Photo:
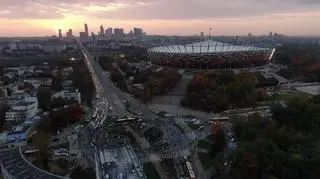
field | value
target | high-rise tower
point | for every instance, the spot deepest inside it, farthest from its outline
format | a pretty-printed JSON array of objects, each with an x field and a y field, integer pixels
[
  {"x": 60, "y": 33},
  {"x": 86, "y": 30},
  {"x": 101, "y": 30}
]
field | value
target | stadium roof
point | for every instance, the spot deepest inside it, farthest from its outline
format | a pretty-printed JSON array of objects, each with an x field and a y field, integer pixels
[{"x": 208, "y": 46}]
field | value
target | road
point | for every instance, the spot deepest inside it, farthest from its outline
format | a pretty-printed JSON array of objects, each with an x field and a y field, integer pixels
[{"x": 109, "y": 96}]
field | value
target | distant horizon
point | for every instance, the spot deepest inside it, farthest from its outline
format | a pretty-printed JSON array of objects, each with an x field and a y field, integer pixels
[
  {"x": 198, "y": 35},
  {"x": 163, "y": 17}
]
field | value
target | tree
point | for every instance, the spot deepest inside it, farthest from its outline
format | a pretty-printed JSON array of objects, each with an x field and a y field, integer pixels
[
  {"x": 57, "y": 103},
  {"x": 312, "y": 118},
  {"x": 57, "y": 81},
  {"x": 41, "y": 139},
  {"x": 82, "y": 80},
  {"x": 218, "y": 143},
  {"x": 44, "y": 96},
  {"x": 283, "y": 147},
  {"x": 3, "y": 110},
  {"x": 80, "y": 173},
  {"x": 316, "y": 99},
  {"x": 76, "y": 112}
]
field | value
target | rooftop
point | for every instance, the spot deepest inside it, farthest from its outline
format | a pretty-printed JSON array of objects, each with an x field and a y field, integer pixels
[
  {"x": 16, "y": 132},
  {"x": 208, "y": 46},
  {"x": 19, "y": 168},
  {"x": 311, "y": 90},
  {"x": 23, "y": 103},
  {"x": 71, "y": 90}
]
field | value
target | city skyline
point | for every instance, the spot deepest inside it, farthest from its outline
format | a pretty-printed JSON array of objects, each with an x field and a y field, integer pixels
[{"x": 161, "y": 17}]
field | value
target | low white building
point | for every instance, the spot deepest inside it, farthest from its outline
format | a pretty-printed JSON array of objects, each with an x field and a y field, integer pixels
[
  {"x": 13, "y": 115},
  {"x": 21, "y": 96},
  {"x": 37, "y": 82},
  {"x": 66, "y": 71},
  {"x": 26, "y": 106},
  {"x": 3, "y": 93},
  {"x": 53, "y": 48},
  {"x": 22, "y": 111},
  {"x": 69, "y": 94},
  {"x": 67, "y": 84},
  {"x": 72, "y": 94},
  {"x": 11, "y": 74},
  {"x": 21, "y": 69},
  {"x": 12, "y": 86},
  {"x": 3, "y": 138}
]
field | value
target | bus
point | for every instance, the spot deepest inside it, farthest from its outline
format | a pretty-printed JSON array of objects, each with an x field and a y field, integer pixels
[
  {"x": 97, "y": 96},
  {"x": 220, "y": 119},
  {"x": 94, "y": 115},
  {"x": 190, "y": 170},
  {"x": 126, "y": 119},
  {"x": 30, "y": 152}
]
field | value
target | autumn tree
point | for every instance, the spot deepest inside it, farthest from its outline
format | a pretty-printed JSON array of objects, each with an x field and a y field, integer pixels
[
  {"x": 57, "y": 81},
  {"x": 44, "y": 97},
  {"x": 41, "y": 140},
  {"x": 80, "y": 173}
]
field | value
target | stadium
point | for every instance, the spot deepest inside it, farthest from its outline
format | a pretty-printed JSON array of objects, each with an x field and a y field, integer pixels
[{"x": 210, "y": 55}]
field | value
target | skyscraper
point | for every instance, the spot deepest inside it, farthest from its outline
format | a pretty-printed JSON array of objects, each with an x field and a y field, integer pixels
[
  {"x": 201, "y": 34},
  {"x": 101, "y": 30},
  {"x": 86, "y": 30},
  {"x": 70, "y": 33},
  {"x": 137, "y": 32},
  {"x": 60, "y": 33},
  {"x": 118, "y": 32},
  {"x": 82, "y": 35},
  {"x": 109, "y": 32}
]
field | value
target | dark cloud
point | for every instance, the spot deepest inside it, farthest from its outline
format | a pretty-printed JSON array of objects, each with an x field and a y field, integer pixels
[
  {"x": 206, "y": 9},
  {"x": 154, "y": 9}
]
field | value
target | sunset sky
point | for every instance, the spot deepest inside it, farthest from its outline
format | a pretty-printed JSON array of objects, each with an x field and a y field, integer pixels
[{"x": 167, "y": 17}]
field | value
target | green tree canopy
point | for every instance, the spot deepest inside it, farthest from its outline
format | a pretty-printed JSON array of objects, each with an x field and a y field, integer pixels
[
  {"x": 44, "y": 97},
  {"x": 80, "y": 173}
]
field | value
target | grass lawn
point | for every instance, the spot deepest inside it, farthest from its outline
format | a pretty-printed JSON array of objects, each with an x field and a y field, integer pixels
[
  {"x": 63, "y": 145},
  {"x": 150, "y": 171},
  {"x": 290, "y": 95}
]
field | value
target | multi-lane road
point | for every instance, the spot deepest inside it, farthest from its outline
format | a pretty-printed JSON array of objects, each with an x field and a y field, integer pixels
[{"x": 112, "y": 99}]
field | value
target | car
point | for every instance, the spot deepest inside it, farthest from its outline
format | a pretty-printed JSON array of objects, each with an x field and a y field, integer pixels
[
  {"x": 194, "y": 120},
  {"x": 65, "y": 154},
  {"x": 57, "y": 153},
  {"x": 63, "y": 150}
]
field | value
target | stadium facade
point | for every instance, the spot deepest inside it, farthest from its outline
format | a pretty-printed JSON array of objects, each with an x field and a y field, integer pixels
[{"x": 210, "y": 55}]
